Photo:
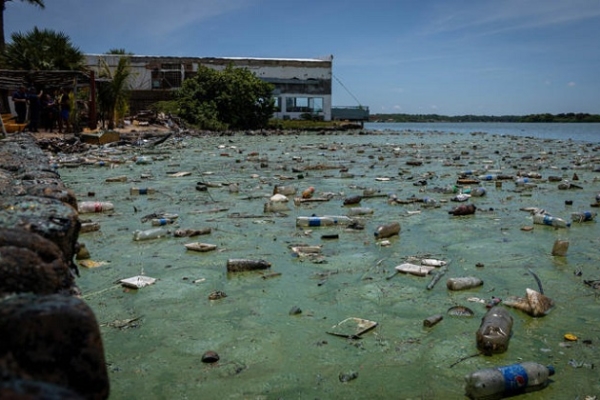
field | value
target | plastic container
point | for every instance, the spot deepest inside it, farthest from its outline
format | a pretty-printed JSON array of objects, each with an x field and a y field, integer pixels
[
  {"x": 148, "y": 234},
  {"x": 429, "y": 202},
  {"x": 463, "y": 283},
  {"x": 387, "y": 230},
  {"x": 488, "y": 177},
  {"x": 162, "y": 221},
  {"x": 324, "y": 220},
  {"x": 494, "y": 332},
  {"x": 94, "y": 206},
  {"x": 478, "y": 192},
  {"x": 542, "y": 219},
  {"x": 359, "y": 211},
  {"x": 509, "y": 380},
  {"x": 560, "y": 247},
  {"x": 583, "y": 216},
  {"x": 141, "y": 191}
]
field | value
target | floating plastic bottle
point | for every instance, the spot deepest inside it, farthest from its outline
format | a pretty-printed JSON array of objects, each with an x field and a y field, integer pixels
[
  {"x": 89, "y": 227},
  {"x": 148, "y": 234},
  {"x": 429, "y": 202},
  {"x": 509, "y": 380},
  {"x": 94, "y": 206},
  {"x": 543, "y": 219},
  {"x": 162, "y": 221},
  {"x": 141, "y": 191},
  {"x": 243, "y": 264},
  {"x": 324, "y": 220},
  {"x": 583, "y": 216},
  {"x": 387, "y": 230},
  {"x": 488, "y": 177},
  {"x": 495, "y": 331},
  {"x": 478, "y": 192},
  {"x": 359, "y": 211},
  {"x": 463, "y": 283}
]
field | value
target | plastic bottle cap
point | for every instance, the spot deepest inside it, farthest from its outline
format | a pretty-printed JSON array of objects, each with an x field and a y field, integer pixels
[{"x": 550, "y": 370}]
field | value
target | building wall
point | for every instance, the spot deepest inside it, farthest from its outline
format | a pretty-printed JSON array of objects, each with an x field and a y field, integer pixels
[{"x": 301, "y": 85}]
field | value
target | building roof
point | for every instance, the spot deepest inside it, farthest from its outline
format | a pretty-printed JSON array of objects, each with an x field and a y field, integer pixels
[{"x": 12, "y": 79}]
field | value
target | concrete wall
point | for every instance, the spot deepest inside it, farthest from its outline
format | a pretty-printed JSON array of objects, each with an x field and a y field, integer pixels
[{"x": 293, "y": 78}]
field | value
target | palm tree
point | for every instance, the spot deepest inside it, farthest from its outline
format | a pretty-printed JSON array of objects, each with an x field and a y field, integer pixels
[
  {"x": 42, "y": 50},
  {"x": 39, "y": 3},
  {"x": 113, "y": 93}
]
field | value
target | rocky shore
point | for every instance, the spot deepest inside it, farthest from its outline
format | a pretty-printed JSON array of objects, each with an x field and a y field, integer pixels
[{"x": 51, "y": 345}]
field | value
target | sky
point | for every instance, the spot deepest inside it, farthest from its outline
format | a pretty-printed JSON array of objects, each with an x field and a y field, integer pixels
[{"x": 447, "y": 57}]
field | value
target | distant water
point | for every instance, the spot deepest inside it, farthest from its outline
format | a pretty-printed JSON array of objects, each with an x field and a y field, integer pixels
[{"x": 585, "y": 132}]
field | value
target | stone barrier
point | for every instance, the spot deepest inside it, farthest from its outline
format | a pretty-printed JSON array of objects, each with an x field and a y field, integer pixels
[{"x": 51, "y": 345}]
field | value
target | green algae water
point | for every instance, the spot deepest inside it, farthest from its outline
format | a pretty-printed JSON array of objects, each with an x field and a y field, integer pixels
[{"x": 155, "y": 337}]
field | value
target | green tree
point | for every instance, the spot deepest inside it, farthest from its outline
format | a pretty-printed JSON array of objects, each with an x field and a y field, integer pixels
[
  {"x": 42, "y": 50},
  {"x": 38, "y": 3},
  {"x": 113, "y": 91},
  {"x": 234, "y": 98}
]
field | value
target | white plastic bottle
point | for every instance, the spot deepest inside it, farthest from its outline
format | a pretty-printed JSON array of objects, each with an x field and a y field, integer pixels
[
  {"x": 326, "y": 220},
  {"x": 94, "y": 206},
  {"x": 509, "y": 380},
  {"x": 149, "y": 234},
  {"x": 543, "y": 219}
]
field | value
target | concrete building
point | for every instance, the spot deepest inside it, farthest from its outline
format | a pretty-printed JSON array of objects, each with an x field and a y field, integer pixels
[{"x": 301, "y": 85}]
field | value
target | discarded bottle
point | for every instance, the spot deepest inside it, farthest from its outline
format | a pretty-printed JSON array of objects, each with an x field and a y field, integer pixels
[
  {"x": 162, "y": 221},
  {"x": 308, "y": 193},
  {"x": 147, "y": 234},
  {"x": 488, "y": 177},
  {"x": 275, "y": 206},
  {"x": 495, "y": 331},
  {"x": 543, "y": 219},
  {"x": 463, "y": 209},
  {"x": 387, "y": 230},
  {"x": 478, "y": 192},
  {"x": 141, "y": 191},
  {"x": 463, "y": 283},
  {"x": 583, "y": 216},
  {"x": 284, "y": 190},
  {"x": 89, "y": 227},
  {"x": 94, "y": 206},
  {"x": 508, "y": 380},
  {"x": 431, "y": 321},
  {"x": 324, "y": 220},
  {"x": 359, "y": 211},
  {"x": 429, "y": 202},
  {"x": 351, "y": 200},
  {"x": 242, "y": 264}
]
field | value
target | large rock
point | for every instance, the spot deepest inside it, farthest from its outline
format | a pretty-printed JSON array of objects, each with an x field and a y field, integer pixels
[
  {"x": 54, "y": 339},
  {"x": 30, "y": 263}
]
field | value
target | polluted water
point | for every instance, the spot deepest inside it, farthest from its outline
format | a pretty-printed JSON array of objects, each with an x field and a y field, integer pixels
[{"x": 264, "y": 351}]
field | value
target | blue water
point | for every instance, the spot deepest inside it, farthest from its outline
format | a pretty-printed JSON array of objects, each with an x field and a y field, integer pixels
[
  {"x": 587, "y": 132},
  {"x": 266, "y": 353}
]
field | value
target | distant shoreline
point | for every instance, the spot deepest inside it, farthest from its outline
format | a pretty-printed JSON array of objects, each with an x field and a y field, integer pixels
[{"x": 431, "y": 118}]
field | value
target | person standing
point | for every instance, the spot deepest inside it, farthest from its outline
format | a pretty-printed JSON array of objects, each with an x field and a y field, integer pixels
[
  {"x": 65, "y": 110},
  {"x": 20, "y": 99},
  {"x": 49, "y": 112},
  {"x": 35, "y": 109}
]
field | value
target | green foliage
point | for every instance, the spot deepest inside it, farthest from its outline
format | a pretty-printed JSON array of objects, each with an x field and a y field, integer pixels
[
  {"x": 113, "y": 92},
  {"x": 42, "y": 50},
  {"x": 230, "y": 99}
]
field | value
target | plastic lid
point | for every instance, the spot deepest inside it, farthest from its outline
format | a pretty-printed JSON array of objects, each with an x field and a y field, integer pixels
[{"x": 550, "y": 369}]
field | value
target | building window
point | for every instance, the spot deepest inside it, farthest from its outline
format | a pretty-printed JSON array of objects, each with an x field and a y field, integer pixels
[
  {"x": 277, "y": 104},
  {"x": 304, "y": 104}
]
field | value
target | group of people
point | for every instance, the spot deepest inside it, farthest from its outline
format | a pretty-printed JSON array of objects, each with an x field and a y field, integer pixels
[{"x": 50, "y": 110}]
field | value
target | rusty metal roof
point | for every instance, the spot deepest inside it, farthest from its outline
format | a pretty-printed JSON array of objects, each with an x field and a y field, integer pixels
[{"x": 12, "y": 79}]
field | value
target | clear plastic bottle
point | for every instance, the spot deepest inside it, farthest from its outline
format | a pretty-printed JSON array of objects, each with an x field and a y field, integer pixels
[
  {"x": 583, "y": 216},
  {"x": 463, "y": 283},
  {"x": 387, "y": 230},
  {"x": 488, "y": 177},
  {"x": 495, "y": 331},
  {"x": 359, "y": 211},
  {"x": 429, "y": 202},
  {"x": 543, "y": 219},
  {"x": 162, "y": 221},
  {"x": 148, "y": 234},
  {"x": 94, "y": 206},
  {"x": 509, "y": 380},
  {"x": 326, "y": 220}
]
